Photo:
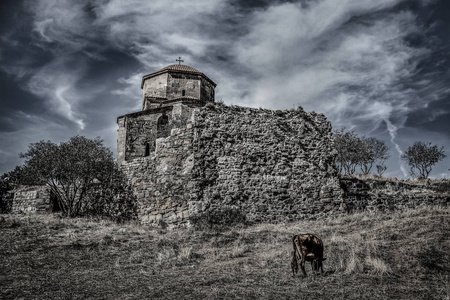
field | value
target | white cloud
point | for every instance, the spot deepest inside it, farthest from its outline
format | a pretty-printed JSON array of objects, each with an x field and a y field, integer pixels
[
  {"x": 55, "y": 83},
  {"x": 61, "y": 22},
  {"x": 131, "y": 91},
  {"x": 342, "y": 60},
  {"x": 154, "y": 28},
  {"x": 307, "y": 61}
]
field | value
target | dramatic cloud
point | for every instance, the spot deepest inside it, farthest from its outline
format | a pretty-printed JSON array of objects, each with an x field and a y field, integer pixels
[
  {"x": 59, "y": 89},
  {"x": 349, "y": 61},
  {"x": 377, "y": 67}
]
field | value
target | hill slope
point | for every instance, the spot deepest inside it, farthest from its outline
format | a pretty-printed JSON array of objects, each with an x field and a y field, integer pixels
[{"x": 397, "y": 256}]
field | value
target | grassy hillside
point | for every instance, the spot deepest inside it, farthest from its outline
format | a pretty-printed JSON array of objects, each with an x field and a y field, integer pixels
[{"x": 396, "y": 256}]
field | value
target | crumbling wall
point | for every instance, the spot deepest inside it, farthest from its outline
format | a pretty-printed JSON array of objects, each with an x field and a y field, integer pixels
[
  {"x": 270, "y": 165},
  {"x": 162, "y": 181},
  {"x": 31, "y": 199},
  {"x": 384, "y": 195}
]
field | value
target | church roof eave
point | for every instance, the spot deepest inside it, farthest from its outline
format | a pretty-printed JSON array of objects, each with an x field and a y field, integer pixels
[{"x": 177, "y": 69}]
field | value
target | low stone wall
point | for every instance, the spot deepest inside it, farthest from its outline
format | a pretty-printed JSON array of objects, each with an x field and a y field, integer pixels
[
  {"x": 31, "y": 199},
  {"x": 175, "y": 208},
  {"x": 392, "y": 195}
]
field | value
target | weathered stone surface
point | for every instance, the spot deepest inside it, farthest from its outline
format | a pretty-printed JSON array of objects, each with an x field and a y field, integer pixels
[
  {"x": 271, "y": 165},
  {"x": 391, "y": 195},
  {"x": 31, "y": 199}
]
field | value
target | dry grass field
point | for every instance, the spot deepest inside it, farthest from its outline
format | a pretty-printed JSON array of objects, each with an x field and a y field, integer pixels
[{"x": 385, "y": 256}]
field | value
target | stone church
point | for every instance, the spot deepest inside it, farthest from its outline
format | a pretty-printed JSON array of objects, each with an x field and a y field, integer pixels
[
  {"x": 168, "y": 97},
  {"x": 189, "y": 158},
  {"x": 186, "y": 155}
]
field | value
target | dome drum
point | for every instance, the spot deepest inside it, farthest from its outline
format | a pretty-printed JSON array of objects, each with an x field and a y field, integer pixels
[{"x": 176, "y": 82}]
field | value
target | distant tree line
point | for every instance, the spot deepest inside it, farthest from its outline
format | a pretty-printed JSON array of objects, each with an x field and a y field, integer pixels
[
  {"x": 357, "y": 154},
  {"x": 360, "y": 155}
]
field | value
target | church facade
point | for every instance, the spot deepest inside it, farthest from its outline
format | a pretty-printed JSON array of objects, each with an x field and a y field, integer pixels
[
  {"x": 187, "y": 156},
  {"x": 168, "y": 97}
]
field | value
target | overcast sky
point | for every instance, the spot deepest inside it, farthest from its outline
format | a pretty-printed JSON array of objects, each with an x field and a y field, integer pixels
[{"x": 379, "y": 67}]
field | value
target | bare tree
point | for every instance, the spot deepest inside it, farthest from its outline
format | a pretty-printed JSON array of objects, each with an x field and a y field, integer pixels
[
  {"x": 354, "y": 151},
  {"x": 421, "y": 157},
  {"x": 373, "y": 150},
  {"x": 348, "y": 146},
  {"x": 381, "y": 169}
]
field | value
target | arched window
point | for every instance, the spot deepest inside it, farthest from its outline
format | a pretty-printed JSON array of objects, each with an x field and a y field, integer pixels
[
  {"x": 183, "y": 93},
  {"x": 163, "y": 129}
]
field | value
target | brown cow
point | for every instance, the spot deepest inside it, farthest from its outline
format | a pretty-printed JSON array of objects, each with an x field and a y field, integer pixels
[{"x": 307, "y": 247}]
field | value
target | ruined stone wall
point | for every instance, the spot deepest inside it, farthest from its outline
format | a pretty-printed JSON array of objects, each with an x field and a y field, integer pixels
[
  {"x": 270, "y": 165},
  {"x": 31, "y": 199},
  {"x": 162, "y": 181},
  {"x": 141, "y": 129},
  {"x": 383, "y": 195},
  {"x": 121, "y": 139}
]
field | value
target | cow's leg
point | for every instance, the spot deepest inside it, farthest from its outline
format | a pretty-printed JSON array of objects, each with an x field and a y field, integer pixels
[
  {"x": 302, "y": 265},
  {"x": 299, "y": 253},
  {"x": 320, "y": 266},
  {"x": 294, "y": 263},
  {"x": 314, "y": 265}
]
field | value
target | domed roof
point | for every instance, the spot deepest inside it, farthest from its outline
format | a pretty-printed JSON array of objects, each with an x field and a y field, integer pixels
[
  {"x": 176, "y": 68},
  {"x": 183, "y": 68}
]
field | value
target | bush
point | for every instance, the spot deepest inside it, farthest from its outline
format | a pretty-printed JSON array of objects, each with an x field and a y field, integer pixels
[
  {"x": 83, "y": 176},
  {"x": 5, "y": 200},
  {"x": 111, "y": 198}
]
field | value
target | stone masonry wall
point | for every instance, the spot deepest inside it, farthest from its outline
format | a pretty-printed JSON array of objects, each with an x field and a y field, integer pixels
[
  {"x": 31, "y": 199},
  {"x": 136, "y": 130},
  {"x": 162, "y": 181},
  {"x": 381, "y": 195},
  {"x": 155, "y": 87},
  {"x": 270, "y": 165}
]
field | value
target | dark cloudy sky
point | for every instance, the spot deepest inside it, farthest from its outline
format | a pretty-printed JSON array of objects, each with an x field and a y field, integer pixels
[{"x": 379, "y": 67}]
